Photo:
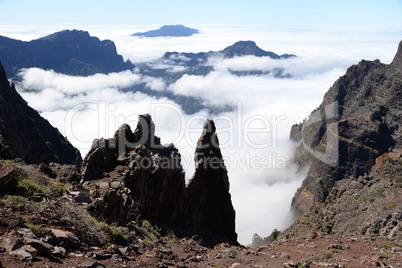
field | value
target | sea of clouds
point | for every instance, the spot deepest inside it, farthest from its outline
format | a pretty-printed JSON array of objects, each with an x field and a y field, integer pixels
[{"x": 254, "y": 136}]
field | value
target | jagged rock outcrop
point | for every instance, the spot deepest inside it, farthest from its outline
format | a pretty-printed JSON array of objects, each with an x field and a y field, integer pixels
[
  {"x": 82, "y": 54},
  {"x": 138, "y": 178},
  {"x": 25, "y": 134},
  {"x": 358, "y": 123},
  {"x": 208, "y": 189}
]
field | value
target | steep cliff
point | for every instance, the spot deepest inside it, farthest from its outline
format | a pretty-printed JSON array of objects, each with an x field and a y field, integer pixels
[
  {"x": 25, "y": 134},
  {"x": 138, "y": 178},
  {"x": 357, "y": 124}
]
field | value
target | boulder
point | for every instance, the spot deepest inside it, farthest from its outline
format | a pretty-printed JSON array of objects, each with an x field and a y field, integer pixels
[
  {"x": 65, "y": 238},
  {"x": 8, "y": 179},
  {"x": 39, "y": 245},
  {"x": 59, "y": 252},
  {"x": 81, "y": 197},
  {"x": 11, "y": 241},
  {"x": 26, "y": 233},
  {"x": 26, "y": 253}
]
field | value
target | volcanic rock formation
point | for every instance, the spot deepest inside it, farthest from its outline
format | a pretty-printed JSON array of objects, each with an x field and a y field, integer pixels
[{"x": 138, "y": 178}]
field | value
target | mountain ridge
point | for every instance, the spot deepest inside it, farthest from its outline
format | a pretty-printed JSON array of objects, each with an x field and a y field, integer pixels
[{"x": 83, "y": 55}]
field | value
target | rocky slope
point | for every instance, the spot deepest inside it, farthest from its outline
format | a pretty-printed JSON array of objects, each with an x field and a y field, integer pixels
[
  {"x": 47, "y": 225},
  {"x": 153, "y": 175},
  {"x": 25, "y": 134},
  {"x": 169, "y": 30},
  {"x": 353, "y": 142},
  {"x": 68, "y": 52}
]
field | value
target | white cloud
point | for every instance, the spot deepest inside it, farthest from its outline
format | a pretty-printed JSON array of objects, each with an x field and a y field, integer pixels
[
  {"x": 35, "y": 78},
  {"x": 156, "y": 84},
  {"x": 177, "y": 69}
]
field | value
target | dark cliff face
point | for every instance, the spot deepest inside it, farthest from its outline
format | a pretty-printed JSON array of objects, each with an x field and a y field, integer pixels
[
  {"x": 68, "y": 52},
  {"x": 25, "y": 134},
  {"x": 358, "y": 120},
  {"x": 147, "y": 182}
]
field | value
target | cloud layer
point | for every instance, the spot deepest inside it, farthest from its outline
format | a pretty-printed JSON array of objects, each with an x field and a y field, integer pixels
[{"x": 254, "y": 136}]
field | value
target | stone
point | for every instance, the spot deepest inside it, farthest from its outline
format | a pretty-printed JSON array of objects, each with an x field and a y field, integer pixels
[
  {"x": 101, "y": 158},
  {"x": 91, "y": 265},
  {"x": 122, "y": 251},
  {"x": 101, "y": 256},
  {"x": 7, "y": 179},
  {"x": 59, "y": 251},
  {"x": 290, "y": 264},
  {"x": 114, "y": 207},
  {"x": 11, "y": 241},
  {"x": 313, "y": 235},
  {"x": 26, "y": 233},
  {"x": 26, "y": 253},
  {"x": 394, "y": 230},
  {"x": 45, "y": 169},
  {"x": 82, "y": 198},
  {"x": 65, "y": 238},
  {"x": 335, "y": 246},
  {"x": 39, "y": 245}
]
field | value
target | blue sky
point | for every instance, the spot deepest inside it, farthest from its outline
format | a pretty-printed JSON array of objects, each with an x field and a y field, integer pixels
[{"x": 106, "y": 12}]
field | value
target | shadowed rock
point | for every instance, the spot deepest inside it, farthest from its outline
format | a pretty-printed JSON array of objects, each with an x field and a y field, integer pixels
[
  {"x": 25, "y": 134},
  {"x": 209, "y": 201}
]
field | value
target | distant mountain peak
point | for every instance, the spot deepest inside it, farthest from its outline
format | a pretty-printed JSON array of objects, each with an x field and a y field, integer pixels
[
  {"x": 246, "y": 48},
  {"x": 168, "y": 30}
]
